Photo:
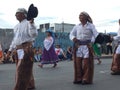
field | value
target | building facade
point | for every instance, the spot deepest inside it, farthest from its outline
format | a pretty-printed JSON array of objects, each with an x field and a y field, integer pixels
[
  {"x": 61, "y": 30},
  {"x": 57, "y": 27}
]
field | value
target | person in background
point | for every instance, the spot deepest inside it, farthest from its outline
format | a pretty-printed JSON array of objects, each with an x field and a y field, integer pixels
[
  {"x": 1, "y": 54},
  {"x": 97, "y": 52},
  {"x": 115, "y": 67},
  {"x": 40, "y": 51},
  {"x": 81, "y": 35},
  {"x": 25, "y": 33},
  {"x": 5, "y": 58},
  {"x": 69, "y": 53},
  {"x": 48, "y": 55},
  {"x": 14, "y": 56},
  {"x": 37, "y": 55},
  {"x": 59, "y": 51},
  {"x": 109, "y": 47}
]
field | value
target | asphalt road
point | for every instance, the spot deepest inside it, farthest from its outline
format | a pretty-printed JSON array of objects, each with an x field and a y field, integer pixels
[{"x": 61, "y": 77}]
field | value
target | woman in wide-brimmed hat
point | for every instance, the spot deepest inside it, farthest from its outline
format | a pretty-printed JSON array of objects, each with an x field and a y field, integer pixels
[{"x": 49, "y": 56}]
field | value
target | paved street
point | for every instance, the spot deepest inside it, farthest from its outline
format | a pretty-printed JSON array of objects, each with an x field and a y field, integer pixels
[{"x": 61, "y": 77}]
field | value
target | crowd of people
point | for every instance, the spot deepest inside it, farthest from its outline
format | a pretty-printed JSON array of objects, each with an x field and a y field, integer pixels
[
  {"x": 61, "y": 54},
  {"x": 82, "y": 52}
]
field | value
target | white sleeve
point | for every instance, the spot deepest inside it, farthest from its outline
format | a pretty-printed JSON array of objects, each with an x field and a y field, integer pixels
[
  {"x": 32, "y": 30},
  {"x": 12, "y": 45},
  {"x": 93, "y": 39},
  {"x": 73, "y": 33},
  {"x": 118, "y": 36},
  {"x": 95, "y": 33}
]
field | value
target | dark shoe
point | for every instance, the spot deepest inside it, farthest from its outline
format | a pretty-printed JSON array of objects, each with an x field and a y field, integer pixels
[
  {"x": 40, "y": 65},
  {"x": 54, "y": 65},
  {"x": 99, "y": 62},
  {"x": 77, "y": 82},
  {"x": 31, "y": 88},
  {"x": 115, "y": 73},
  {"x": 85, "y": 82}
]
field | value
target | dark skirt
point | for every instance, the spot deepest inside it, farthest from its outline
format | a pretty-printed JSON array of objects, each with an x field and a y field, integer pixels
[{"x": 49, "y": 57}]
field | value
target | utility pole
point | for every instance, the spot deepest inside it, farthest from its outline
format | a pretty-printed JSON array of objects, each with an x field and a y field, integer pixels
[
  {"x": 105, "y": 31},
  {"x": 62, "y": 26}
]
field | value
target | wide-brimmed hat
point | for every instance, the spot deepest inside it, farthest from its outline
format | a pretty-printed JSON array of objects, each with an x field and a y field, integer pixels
[
  {"x": 103, "y": 38},
  {"x": 32, "y": 12},
  {"x": 51, "y": 32}
]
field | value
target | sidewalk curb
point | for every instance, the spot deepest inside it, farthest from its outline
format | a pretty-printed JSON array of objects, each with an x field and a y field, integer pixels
[{"x": 106, "y": 56}]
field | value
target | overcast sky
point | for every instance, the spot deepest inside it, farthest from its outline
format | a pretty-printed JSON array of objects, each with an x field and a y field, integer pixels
[{"x": 105, "y": 13}]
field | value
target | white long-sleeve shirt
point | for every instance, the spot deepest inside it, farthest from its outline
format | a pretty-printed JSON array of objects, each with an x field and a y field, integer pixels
[
  {"x": 86, "y": 32},
  {"x": 23, "y": 32}
]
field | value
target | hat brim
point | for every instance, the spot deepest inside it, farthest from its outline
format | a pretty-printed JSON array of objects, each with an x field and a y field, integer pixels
[{"x": 32, "y": 12}]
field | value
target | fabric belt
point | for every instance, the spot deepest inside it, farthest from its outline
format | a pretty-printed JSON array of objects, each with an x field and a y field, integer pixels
[
  {"x": 118, "y": 42},
  {"x": 24, "y": 45},
  {"x": 84, "y": 42}
]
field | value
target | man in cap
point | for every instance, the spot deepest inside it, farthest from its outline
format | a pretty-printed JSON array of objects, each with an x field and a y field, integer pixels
[
  {"x": 24, "y": 34},
  {"x": 81, "y": 35}
]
